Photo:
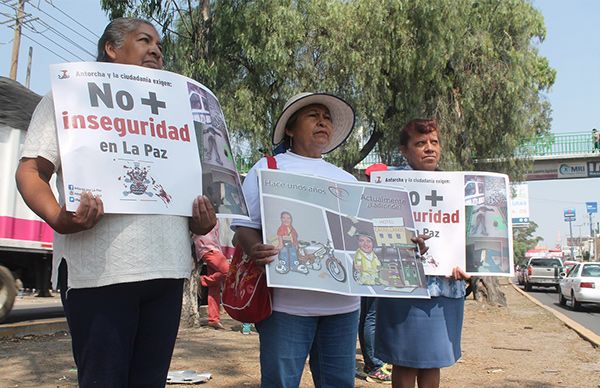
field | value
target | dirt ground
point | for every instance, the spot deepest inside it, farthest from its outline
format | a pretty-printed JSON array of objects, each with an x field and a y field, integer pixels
[{"x": 521, "y": 345}]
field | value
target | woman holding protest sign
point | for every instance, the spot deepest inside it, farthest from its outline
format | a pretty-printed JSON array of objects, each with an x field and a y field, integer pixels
[
  {"x": 420, "y": 336},
  {"x": 303, "y": 322},
  {"x": 120, "y": 275}
]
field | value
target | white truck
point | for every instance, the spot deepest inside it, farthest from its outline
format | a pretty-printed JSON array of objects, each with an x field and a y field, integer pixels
[{"x": 25, "y": 240}]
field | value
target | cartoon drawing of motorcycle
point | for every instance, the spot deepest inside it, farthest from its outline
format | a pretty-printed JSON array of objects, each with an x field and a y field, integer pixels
[{"x": 312, "y": 254}]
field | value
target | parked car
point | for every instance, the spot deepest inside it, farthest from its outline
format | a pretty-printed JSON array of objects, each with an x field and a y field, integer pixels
[
  {"x": 568, "y": 265},
  {"x": 581, "y": 285},
  {"x": 543, "y": 272}
]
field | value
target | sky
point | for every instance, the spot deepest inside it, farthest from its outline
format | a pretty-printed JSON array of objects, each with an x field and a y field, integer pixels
[{"x": 572, "y": 46}]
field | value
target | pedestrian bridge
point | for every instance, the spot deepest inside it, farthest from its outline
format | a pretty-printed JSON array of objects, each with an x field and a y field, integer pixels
[{"x": 555, "y": 156}]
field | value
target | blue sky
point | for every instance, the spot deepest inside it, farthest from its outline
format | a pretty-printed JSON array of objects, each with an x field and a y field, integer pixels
[{"x": 572, "y": 47}]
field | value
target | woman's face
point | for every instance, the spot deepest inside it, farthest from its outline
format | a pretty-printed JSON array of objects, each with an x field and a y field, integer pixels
[
  {"x": 423, "y": 151},
  {"x": 312, "y": 131},
  {"x": 141, "y": 47},
  {"x": 365, "y": 244},
  {"x": 286, "y": 219}
]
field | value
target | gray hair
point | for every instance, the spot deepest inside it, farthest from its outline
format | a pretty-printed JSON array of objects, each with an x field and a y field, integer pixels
[{"x": 115, "y": 32}]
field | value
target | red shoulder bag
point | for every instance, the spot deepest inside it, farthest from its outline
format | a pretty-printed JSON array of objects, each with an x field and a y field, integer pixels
[{"x": 246, "y": 297}]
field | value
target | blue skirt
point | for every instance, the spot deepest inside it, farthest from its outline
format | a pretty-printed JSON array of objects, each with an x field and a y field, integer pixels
[{"x": 419, "y": 333}]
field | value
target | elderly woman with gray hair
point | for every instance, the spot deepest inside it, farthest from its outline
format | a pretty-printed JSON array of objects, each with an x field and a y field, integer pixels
[{"x": 120, "y": 275}]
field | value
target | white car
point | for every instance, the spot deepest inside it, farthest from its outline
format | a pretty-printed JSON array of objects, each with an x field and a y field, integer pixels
[{"x": 581, "y": 285}]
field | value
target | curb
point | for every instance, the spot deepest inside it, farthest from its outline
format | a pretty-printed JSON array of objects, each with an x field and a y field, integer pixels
[
  {"x": 39, "y": 327},
  {"x": 583, "y": 332}
]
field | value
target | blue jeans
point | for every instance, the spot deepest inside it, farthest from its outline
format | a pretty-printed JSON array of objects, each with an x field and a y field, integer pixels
[
  {"x": 289, "y": 255},
  {"x": 286, "y": 340},
  {"x": 366, "y": 333}
]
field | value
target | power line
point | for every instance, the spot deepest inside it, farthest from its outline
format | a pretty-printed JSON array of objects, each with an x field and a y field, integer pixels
[
  {"x": 66, "y": 38},
  {"x": 57, "y": 44},
  {"x": 60, "y": 22},
  {"x": 44, "y": 47},
  {"x": 68, "y": 16},
  {"x": 27, "y": 21}
]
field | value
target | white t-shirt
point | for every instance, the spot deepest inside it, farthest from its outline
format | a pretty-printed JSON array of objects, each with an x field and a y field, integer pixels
[
  {"x": 121, "y": 247},
  {"x": 292, "y": 301}
]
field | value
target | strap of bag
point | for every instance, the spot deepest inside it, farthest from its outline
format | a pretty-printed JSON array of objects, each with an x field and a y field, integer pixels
[{"x": 271, "y": 162}]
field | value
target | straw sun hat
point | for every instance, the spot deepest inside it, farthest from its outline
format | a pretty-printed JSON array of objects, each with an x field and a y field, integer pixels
[{"x": 342, "y": 116}]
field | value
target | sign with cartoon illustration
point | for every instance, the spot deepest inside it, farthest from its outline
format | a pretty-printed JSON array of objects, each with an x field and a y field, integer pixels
[
  {"x": 146, "y": 141},
  {"x": 339, "y": 237},
  {"x": 466, "y": 216}
]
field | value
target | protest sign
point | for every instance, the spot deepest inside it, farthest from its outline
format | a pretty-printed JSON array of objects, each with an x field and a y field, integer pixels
[
  {"x": 466, "y": 216},
  {"x": 340, "y": 237},
  {"x": 146, "y": 141}
]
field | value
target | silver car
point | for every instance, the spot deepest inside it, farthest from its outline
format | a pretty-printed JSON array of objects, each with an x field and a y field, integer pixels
[{"x": 581, "y": 285}]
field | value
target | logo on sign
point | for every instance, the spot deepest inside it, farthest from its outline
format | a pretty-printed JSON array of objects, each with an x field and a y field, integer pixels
[{"x": 572, "y": 170}]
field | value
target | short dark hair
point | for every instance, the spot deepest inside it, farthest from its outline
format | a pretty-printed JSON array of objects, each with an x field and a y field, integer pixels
[
  {"x": 115, "y": 32},
  {"x": 417, "y": 126}
]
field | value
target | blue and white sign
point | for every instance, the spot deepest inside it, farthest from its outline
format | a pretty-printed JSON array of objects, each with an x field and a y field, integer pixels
[
  {"x": 591, "y": 207},
  {"x": 520, "y": 204}
]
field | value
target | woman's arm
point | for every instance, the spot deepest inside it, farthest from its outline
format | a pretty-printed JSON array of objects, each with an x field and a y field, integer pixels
[
  {"x": 251, "y": 241},
  {"x": 33, "y": 177}
]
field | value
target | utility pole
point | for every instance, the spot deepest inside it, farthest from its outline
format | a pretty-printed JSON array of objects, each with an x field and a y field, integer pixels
[
  {"x": 571, "y": 245},
  {"x": 17, "y": 40},
  {"x": 28, "y": 75}
]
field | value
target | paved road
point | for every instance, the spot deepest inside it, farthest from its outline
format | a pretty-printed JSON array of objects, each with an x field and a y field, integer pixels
[{"x": 589, "y": 317}]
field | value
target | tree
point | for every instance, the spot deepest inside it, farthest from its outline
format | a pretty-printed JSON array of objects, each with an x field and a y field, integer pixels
[
  {"x": 472, "y": 65},
  {"x": 523, "y": 240}
]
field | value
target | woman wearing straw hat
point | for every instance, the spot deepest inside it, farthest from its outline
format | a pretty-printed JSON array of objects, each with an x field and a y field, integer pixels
[{"x": 303, "y": 322}]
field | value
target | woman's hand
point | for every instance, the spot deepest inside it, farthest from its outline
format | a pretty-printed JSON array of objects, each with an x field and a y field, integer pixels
[
  {"x": 33, "y": 177},
  {"x": 251, "y": 241},
  {"x": 420, "y": 241},
  {"x": 459, "y": 274},
  {"x": 262, "y": 254},
  {"x": 88, "y": 214},
  {"x": 203, "y": 218}
]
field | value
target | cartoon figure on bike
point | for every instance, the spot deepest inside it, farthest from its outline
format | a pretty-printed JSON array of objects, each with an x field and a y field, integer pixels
[{"x": 302, "y": 256}]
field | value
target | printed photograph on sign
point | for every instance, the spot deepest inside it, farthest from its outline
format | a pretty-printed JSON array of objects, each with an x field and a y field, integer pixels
[
  {"x": 487, "y": 225},
  {"x": 351, "y": 239},
  {"x": 220, "y": 180}
]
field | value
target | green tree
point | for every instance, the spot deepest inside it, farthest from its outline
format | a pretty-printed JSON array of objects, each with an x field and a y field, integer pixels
[
  {"x": 523, "y": 240},
  {"x": 473, "y": 65}
]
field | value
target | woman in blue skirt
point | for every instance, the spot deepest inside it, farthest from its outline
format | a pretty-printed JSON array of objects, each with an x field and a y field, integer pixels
[{"x": 420, "y": 336}]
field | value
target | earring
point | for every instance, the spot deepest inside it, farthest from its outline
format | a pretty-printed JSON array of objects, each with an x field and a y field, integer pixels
[{"x": 291, "y": 142}]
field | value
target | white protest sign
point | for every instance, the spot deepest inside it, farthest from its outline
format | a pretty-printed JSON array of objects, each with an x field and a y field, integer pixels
[
  {"x": 132, "y": 135},
  {"x": 466, "y": 216}
]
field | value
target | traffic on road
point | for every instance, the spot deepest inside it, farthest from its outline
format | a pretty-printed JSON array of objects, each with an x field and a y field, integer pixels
[{"x": 586, "y": 314}]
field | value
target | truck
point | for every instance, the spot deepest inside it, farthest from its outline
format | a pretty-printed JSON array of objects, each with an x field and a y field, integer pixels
[
  {"x": 543, "y": 271},
  {"x": 25, "y": 240}
]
